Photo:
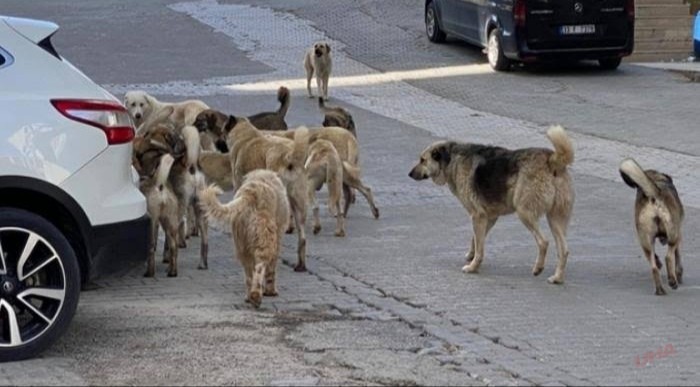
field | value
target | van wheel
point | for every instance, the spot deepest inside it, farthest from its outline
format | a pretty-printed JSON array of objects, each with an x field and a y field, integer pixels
[
  {"x": 497, "y": 59},
  {"x": 39, "y": 284},
  {"x": 432, "y": 25},
  {"x": 609, "y": 63}
]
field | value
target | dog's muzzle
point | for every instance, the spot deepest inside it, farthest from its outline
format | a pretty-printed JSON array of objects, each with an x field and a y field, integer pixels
[
  {"x": 221, "y": 146},
  {"x": 415, "y": 175},
  {"x": 318, "y": 52}
]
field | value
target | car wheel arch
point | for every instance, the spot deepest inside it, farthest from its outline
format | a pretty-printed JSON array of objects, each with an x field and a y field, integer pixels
[
  {"x": 491, "y": 24},
  {"x": 56, "y": 206}
]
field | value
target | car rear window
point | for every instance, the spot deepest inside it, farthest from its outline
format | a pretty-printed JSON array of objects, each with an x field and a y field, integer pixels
[{"x": 5, "y": 58}]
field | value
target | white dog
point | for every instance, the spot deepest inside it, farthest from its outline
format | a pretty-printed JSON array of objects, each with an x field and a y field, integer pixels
[
  {"x": 141, "y": 105},
  {"x": 318, "y": 61}
]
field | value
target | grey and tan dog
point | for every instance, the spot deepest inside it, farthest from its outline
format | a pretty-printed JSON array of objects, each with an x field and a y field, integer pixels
[
  {"x": 491, "y": 181},
  {"x": 658, "y": 214},
  {"x": 258, "y": 216},
  {"x": 337, "y": 116},
  {"x": 318, "y": 62}
]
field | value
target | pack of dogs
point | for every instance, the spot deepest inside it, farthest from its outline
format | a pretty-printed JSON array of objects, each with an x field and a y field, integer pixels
[{"x": 187, "y": 154}]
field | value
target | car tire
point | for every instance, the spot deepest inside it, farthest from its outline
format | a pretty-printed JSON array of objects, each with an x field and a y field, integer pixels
[
  {"x": 432, "y": 25},
  {"x": 609, "y": 63},
  {"x": 39, "y": 284},
  {"x": 494, "y": 49}
]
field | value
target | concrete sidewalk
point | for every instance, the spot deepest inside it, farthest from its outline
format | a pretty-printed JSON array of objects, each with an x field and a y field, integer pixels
[{"x": 689, "y": 69}]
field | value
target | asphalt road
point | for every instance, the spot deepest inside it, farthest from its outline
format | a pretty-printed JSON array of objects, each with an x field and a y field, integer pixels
[{"x": 388, "y": 304}]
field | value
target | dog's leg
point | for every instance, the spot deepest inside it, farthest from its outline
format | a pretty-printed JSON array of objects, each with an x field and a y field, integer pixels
[
  {"x": 192, "y": 227},
  {"x": 171, "y": 228},
  {"x": 355, "y": 182},
  {"x": 558, "y": 225},
  {"x": 256, "y": 286},
  {"x": 347, "y": 197},
  {"x": 470, "y": 254},
  {"x": 481, "y": 227},
  {"x": 315, "y": 209},
  {"x": 248, "y": 271},
  {"x": 319, "y": 85},
  {"x": 271, "y": 279},
  {"x": 340, "y": 219},
  {"x": 671, "y": 265},
  {"x": 325, "y": 85},
  {"x": 309, "y": 75},
  {"x": 151, "y": 260},
  {"x": 299, "y": 212},
  {"x": 203, "y": 226},
  {"x": 679, "y": 265},
  {"x": 648, "y": 247},
  {"x": 542, "y": 244}
]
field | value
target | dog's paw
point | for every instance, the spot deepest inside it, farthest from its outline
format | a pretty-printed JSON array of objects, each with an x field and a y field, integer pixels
[
  {"x": 270, "y": 293},
  {"x": 172, "y": 273},
  {"x": 673, "y": 284},
  {"x": 182, "y": 244},
  {"x": 340, "y": 233},
  {"x": 300, "y": 268},
  {"x": 290, "y": 230},
  {"x": 202, "y": 267},
  {"x": 149, "y": 273},
  {"x": 317, "y": 229},
  {"x": 375, "y": 212},
  {"x": 660, "y": 291},
  {"x": 537, "y": 271},
  {"x": 470, "y": 269},
  {"x": 555, "y": 280},
  {"x": 255, "y": 299}
]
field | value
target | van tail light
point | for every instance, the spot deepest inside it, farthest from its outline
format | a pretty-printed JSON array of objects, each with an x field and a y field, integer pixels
[
  {"x": 629, "y": 7},
  {"x": 519, "y": 13},
  {"x": 110, "y": 116}
]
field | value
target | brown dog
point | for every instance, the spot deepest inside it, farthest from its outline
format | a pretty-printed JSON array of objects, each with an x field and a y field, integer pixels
[
  {"x": 658, "y": 214},
  {"x": 212, "y": 121},
  {"x": 337, "y": 116},
  {"x": 491, "y": 181},
  {"x": 258, "y": 216}
]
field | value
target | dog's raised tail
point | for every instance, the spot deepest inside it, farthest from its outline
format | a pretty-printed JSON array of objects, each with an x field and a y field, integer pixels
[
  {"x": 563, "y": 155},
  {"x": 634, "y": 176},
  {"x": 210, "y": 203},
  {"x": 192, "y": 142},
  {"x": 284, "y": 99},
  {"x": 166, "y": 162}
]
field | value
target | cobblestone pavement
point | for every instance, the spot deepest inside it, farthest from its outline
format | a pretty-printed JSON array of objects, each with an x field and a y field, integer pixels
[{"x": 388, "y": 304}]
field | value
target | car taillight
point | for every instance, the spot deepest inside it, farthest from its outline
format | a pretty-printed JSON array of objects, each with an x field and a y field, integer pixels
[
  {"x": 110, "y": 116},
  {"x": 630, "y": 9},
  {"x": 519, "y": 13}
]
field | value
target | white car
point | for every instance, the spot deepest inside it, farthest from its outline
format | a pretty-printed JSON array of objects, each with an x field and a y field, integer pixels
[{"x": 70, "y": 208}]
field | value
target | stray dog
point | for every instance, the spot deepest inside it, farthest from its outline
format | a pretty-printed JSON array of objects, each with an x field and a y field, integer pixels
[
  {"x": 348, "y": 150},
  {"x": 148, "y": 148},
  {"x": 252, "y": 149},
  {"x": 318, "y": 61},
  {"x": 337, "y": 116},
  {"x": 213, "y": 120},
  {"x": 492, "y": 181},
  {"x": 163, "y": 209},
  {"x": 216, "y": 167},
  {"x": 258, "y": 216},
  {"x": 658, "y": 213},
  {"x": 141, "y": 105},
  {"x": 323, "y": 165}
]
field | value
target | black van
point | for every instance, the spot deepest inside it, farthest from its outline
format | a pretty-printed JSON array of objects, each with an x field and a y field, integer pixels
[{"x": 537, "y": 30}]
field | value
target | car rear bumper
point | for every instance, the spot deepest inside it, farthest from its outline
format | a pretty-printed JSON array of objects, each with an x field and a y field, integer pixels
[
  {"x": 118, "y": 247},
  {"x": 518, "y": 49}
]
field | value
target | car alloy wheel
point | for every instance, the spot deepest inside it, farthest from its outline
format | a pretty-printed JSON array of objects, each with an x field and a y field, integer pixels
[
  {"x": 32, "y": 286},
  {"x": 430, "y": 22},
  {"x": 494, "y": 52},
  {"x": 432, "y": 26}
]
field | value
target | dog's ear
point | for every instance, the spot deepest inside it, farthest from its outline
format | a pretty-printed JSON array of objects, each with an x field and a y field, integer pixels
[
  {"x": 628, "y": 180},
  {"x": 328, "y": 47},
  {"x": 230, "y": 123},
  {"x": 670, "y": 180},
  {"x": 441, "y": 154},
  {"x": 126, "y": 101}
]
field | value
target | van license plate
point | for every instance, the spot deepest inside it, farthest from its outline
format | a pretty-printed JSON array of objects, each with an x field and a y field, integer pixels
[{"x": 577, "y": 30}]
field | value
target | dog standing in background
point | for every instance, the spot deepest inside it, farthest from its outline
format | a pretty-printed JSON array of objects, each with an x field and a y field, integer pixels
[
  {"x": 658, "y": 213},
  {"x": 491, "y": 181},
  {"x": 317, "y": 61}
]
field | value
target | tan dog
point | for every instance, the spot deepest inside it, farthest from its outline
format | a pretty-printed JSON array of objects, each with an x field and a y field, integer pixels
[
  {"x": 492, "y": 181},
  {"x": 323, "y": 165},
  {"x": 337, "y": 116},
  {"x": 163, "y": 210},
  {"x": 348, "y": 150},
  {"x": 251, "y": 149},
  {"x": 212, "y": 120},
  {"x": 141, "y": 105},
  {"x": 216, "y": 167},
  {"x": 658, "y": 214},
  {"x": 258, "y": 216},
  {"x": 317, "y": 61}
]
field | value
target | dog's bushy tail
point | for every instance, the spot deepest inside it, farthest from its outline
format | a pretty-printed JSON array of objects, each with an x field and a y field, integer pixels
[
  {"x": 166, "y": 162},
  {"x": 563, "y": 155},
  {"x": 284, "y": 99},
  {"x": 215, "y": 210},
  {"x": 301, "y": 147},
  {"x": 634, "y": 176},
  {"x": 155, "y": 118},
  {"x": 192, "y": 143}
]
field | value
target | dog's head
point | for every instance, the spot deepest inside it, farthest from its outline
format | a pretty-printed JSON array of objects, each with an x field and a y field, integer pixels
[
  {"x": 432, "y": 164},
  {"x": 321, "y": 49},
  {"x": 139, "y": 105},
  {"x": 217, "y": 125}
]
